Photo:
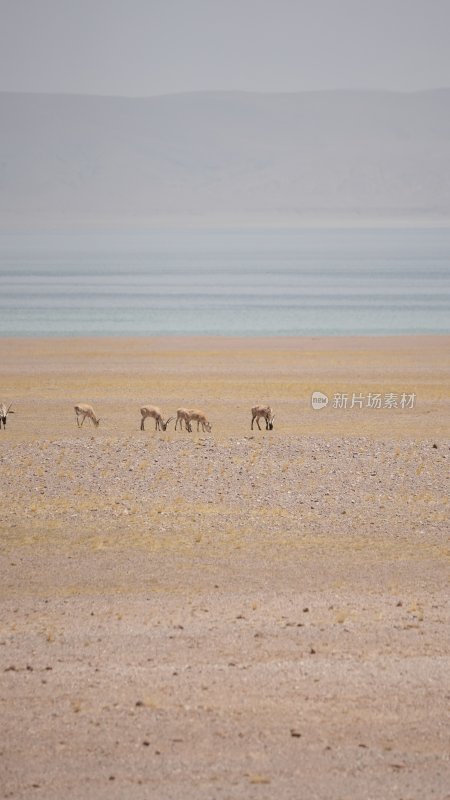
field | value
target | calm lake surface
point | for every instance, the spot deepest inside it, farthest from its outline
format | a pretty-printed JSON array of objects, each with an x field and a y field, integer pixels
[{"x": 236, "y": 282}]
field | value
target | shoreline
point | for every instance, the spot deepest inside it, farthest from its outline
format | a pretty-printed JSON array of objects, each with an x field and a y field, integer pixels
[
  {"x": 289, "y": 338},
  {"x": 222, "y": 336}
]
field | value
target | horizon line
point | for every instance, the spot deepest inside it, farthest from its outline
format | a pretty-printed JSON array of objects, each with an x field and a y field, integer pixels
[{"x": 194, "y": 92}]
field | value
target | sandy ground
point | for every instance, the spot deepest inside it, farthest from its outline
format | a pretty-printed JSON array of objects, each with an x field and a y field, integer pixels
[{"x": 241, "y": 614}]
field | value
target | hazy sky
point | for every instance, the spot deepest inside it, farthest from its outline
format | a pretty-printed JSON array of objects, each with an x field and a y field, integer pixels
[{"x": 147, "y": 47}]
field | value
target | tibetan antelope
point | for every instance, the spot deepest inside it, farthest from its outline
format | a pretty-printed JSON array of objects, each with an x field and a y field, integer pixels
[
  {"x": 200, "y": 418},
  {"x": 84, "y": 410},
  {"x": 155, "y": 413},
  {"x": 183, "y": 416},
  {"x": 264, "y": 412},
  {"x": 4, "y": 413}
]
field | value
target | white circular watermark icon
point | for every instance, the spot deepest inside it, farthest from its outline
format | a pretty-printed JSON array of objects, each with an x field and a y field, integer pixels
[{"x": 318, "y": 400}]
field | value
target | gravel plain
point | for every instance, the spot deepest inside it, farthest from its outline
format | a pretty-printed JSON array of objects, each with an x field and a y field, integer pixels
[{"x": 241, "y": 614}]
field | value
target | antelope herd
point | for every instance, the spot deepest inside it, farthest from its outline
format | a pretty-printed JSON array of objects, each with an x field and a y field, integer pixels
[{"x": 188, "y": 416}]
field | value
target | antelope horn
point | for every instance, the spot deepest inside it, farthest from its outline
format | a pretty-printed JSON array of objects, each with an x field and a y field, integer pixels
[{"x": 9, "y": 409}]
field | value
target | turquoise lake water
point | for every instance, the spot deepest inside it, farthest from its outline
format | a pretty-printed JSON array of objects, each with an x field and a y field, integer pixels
[{"x": 235, "y": 282}]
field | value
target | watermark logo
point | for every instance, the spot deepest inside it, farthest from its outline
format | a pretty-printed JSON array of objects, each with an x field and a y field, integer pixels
[
  {"x": 318, "y": 400},
  {"x": 374, "y": 400}
]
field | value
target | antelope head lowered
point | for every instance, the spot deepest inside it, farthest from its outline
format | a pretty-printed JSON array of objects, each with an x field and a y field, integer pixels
[
  {"x": 84, "y": 410},
  {"x": 265, "y": 413},
  {"x": 155, "y": 413},
  {"x": 4, "y": 413}
]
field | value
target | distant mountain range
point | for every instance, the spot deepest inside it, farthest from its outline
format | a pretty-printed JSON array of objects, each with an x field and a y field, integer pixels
[{"x": 225, "y": 156}]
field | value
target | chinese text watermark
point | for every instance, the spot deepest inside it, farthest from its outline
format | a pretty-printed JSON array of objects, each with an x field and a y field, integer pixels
[{"x": 402, "y": 400}]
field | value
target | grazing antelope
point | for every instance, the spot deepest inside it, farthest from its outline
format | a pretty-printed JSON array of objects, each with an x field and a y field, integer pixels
[
  {"x": 200, "y": 418},
  {"x": 84, "y": 410},
  {"x": 4, "y": 413},
  {"x": 183, "y": 416},
  {"x": 264, "y": 412},
  {"x": 155, "y": 413}
]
